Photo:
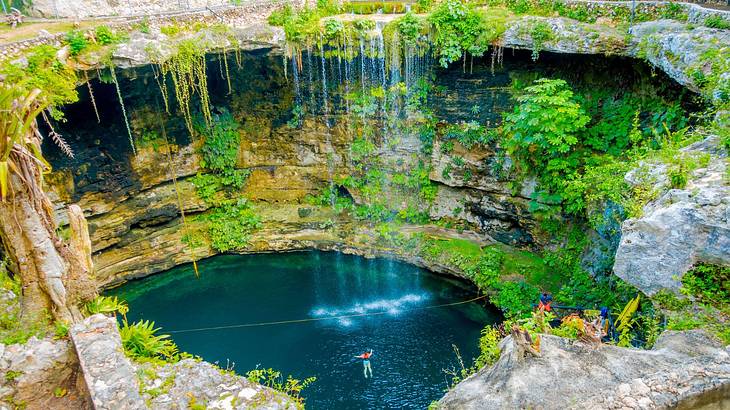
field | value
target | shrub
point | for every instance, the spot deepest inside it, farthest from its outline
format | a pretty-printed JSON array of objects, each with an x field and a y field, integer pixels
[
  {"x": 274, "y": 379},
  {"x": 104, "y": 35},
  {"x": 458, "y": 29},
  {"x": 230, "y": 225},
  {"x": 488, "y": 347},
  {"x": 76, "y": 41}
]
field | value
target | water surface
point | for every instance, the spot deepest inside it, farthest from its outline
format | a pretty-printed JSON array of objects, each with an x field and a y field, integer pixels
[{"x": 412, "y": 345}]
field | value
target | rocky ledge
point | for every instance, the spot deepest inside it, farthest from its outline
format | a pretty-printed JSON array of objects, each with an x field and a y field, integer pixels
[
  {"x": 683, "y": 369},
  {"x": 684, "y": 52},
  {"x": 115, "y": 382}
]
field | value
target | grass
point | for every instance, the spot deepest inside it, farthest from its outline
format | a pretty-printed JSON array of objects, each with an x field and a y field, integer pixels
[{"x": 30, "y": 30}]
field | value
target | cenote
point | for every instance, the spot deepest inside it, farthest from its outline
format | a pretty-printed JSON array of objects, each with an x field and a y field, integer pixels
[{"x": 412, "y": 340}]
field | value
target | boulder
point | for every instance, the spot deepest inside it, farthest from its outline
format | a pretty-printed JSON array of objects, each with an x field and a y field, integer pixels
[
  {"x": 683, "y": 367},
  {"x": 678, "y": 229}
]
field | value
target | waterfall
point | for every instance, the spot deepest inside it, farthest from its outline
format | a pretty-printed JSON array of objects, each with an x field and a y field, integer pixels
[
  {"x": 297, "y": 86},
  {"x": 310, "y": 82},
  {"x": 362, "y": 64},
  {"x": 325, "y": 108},
  {"x": 325, "y": 96}
]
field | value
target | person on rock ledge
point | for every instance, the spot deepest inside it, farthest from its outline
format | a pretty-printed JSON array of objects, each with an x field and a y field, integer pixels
[
  {"x": 366, "y": 363},
  {"x": 545, "y": 300}
]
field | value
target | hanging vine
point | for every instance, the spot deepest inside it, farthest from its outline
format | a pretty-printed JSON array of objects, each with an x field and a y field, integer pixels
[
  {"x": 162, "y": 83},
  {"x": 228, "y": 74},
  {"x": 124, "y": 110},
  {"x": 187, "y": 70}
]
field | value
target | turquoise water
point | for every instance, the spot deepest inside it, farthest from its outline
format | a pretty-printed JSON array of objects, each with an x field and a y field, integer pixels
[{"x": 411, "y": 344}]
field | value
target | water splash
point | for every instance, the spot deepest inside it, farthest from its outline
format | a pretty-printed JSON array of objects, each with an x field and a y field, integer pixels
[{"x": 393, "y": 307}]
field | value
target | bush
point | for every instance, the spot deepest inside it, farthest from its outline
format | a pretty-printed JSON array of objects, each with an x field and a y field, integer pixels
[
  {"x": 458, "y": 29},
  {"x": 488, "y": 347},
  {"x": 76, "y": 41},
  {"x": 104, "y": 35},
  {"x": 274, "y": 379},
  {"x": 106, "y": 305}
]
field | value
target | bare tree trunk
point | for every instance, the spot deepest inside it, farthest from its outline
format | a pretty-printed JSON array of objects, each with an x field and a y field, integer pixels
[{"x": 53, "y": 276}]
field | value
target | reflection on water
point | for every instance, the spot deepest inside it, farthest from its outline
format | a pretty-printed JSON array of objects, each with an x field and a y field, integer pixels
[{"x": 356, "y": 304}]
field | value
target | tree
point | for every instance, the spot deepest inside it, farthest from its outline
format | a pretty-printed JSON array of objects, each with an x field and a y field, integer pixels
[
  {"x": 544, "y": 130},
  {"x": 55, "y": 277}
]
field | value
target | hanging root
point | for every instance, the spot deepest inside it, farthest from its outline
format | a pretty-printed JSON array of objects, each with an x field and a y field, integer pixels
[
  {"x": 57, "y": 138},
  {"x": 93, "y": 100},
  {"x": 179, "y": 198},
  {"x": 228, "y": 74}
]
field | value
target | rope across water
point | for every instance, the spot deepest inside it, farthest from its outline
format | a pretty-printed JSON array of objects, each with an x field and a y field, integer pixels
[{"x": 316, "y": 319}]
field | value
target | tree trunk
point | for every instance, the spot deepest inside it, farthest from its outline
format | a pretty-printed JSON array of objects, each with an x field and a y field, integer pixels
[{"x": 53, "y": 276}]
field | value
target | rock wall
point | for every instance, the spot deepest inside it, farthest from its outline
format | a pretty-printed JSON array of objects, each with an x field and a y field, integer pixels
[
  {"x": 684, "y": 368},
  {"x": 131, "y": 204}
]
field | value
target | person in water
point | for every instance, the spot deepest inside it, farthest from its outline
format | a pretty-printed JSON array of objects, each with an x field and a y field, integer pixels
[{"x": 366, "y": 363}]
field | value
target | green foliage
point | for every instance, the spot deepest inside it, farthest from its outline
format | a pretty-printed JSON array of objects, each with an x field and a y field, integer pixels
[
  {"x": 104, "y": 35},
  {"x": 409, "y": 28},
  {"x": 716, "y": 21},
  {"x": 486, "y": 267},
  {"x": 231, "y": 224},
  {"x": 372, "y": 7},
  {"x": 141, "y": 340},
  {"x": 488, "y": 347},
  {"x": 60, "y": 330},
  {"x": 458, "y": 29},
  {"x": 106, "y": 305},
  {"x": 11, "y": 375},
  {"x": 76, "y": 41},
  {"x": 540, "y": 33},
  {"x": 274, "y": 379},
  {"x": 710, "y": 284},
  {"x": 281, "y": 16},
  {"x": 222, "y": 140},
  {"x": 543, "y": 131},
  {"x": 515, "y": 298},
  {"x": 469, "y": 134},
  {"x": 44, "y": 71}
]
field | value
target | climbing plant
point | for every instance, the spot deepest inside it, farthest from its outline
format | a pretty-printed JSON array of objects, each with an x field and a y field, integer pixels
[{"x": 187, "y": 69}]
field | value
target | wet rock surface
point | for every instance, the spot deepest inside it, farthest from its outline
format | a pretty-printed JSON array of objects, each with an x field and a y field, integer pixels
[{"x": 683, "y": 367}]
